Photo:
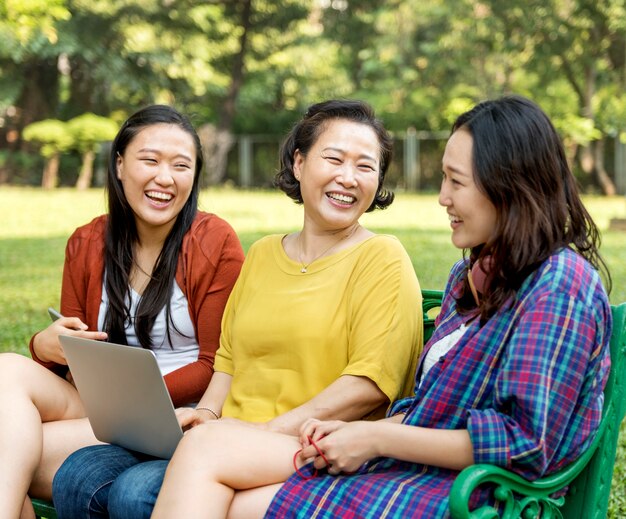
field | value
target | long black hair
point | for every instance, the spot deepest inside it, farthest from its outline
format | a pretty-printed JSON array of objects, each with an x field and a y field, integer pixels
[
  {"x": 121, "y": 236},
  {"x": 305, "y": 133},
  {"x": 519, "y": 164}
]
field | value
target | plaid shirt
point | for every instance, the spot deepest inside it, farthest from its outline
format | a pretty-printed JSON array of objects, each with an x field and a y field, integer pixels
[{"x": 527, "y": 385}]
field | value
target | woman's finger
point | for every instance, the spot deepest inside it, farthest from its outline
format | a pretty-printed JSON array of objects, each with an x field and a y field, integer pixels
[{"x": 333, "y": 471}]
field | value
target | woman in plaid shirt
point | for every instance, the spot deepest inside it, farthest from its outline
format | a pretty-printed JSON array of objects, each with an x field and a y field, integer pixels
[{"x": 513, "y": 375}]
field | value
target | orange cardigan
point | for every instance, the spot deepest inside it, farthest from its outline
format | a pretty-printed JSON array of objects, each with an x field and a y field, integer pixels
[{"x": 208, "y": 266}]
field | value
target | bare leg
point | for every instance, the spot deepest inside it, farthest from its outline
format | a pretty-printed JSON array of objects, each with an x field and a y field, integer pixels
[
  {"x": 252, "y": 504},
  {"x": 27, "y": 510},
  {"x": 29, "y": 395},
  {"x": 217, "y": 458},
  {"x": 60, "y": 439}
]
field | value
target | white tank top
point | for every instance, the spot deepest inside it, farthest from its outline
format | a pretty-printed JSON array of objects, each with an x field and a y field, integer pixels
[
  {"x": 184, "y": 346},
  {"x": 440, "y": 348}
]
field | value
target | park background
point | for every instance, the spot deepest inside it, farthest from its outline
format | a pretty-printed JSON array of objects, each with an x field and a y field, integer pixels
[{"x": 245, "y": 70}]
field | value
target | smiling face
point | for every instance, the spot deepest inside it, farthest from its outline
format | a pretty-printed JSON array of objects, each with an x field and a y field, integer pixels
[
  {"x": 339, "y": 175},
  {"x": 157, "y": 173},
  {"x": 472, "y": 215}
]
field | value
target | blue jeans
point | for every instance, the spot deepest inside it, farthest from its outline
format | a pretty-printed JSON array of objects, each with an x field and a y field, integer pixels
[{"x": 107, "y": 481}]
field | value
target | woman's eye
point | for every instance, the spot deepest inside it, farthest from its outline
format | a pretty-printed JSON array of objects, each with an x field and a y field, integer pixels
[
  {"x": 366, "y": 167},
  {"x": 182, "y": 166},
  {"x": 148, "y": 160},
  {"x": 334, "y": 160},
  {"x": 451, "y": 179}
]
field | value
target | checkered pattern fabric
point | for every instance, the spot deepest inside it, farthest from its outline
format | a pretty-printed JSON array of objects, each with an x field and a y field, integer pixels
[{"x": 527, "y": 385}]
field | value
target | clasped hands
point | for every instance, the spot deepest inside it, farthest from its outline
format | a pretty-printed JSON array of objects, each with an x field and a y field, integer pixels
[{"x": 340, "y": 447}]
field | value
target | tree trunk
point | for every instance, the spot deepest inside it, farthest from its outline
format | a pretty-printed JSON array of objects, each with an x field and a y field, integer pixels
[
  {"x": 51, "y": 172},
  {"x": 591, "y": 161},
  {"x": 38, "y": 99},
  {"x": 216, "y": 144},
  {"x": 86, "y": 170},
  {"x": 603, "y": 179},
  {"x": 220, "y": 140},
  {"x": 86, "y": 94},
  {"x": 592, "y": 155}
]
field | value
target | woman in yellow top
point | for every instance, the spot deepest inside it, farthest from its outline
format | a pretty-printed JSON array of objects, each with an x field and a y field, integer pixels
[{"x": 323, "y": 323}]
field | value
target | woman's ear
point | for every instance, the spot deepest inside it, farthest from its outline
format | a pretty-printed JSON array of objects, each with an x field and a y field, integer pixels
[
  {"x": 118, "y": 166},
  {"x": 298, "y": 159}
]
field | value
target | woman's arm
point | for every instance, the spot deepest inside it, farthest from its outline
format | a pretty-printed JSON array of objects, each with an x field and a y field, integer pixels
[
  {"x": 83, "y": 254},
  {"x": 348, "y": 398},
  {"x": 213, "y": 399},
  {"x": 212, "y": 259},
  {"x": 547, "y": 393},
  {"x": 347, "y": 446}
]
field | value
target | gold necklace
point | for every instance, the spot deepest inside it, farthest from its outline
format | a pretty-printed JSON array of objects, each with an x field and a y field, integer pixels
[{"x": 305, "y": 266}]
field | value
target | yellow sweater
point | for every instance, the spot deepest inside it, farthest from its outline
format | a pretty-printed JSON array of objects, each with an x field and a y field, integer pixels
[{"x": 287, "y": 335}]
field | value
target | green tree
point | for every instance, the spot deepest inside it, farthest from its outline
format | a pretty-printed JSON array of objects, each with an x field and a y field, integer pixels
[
  {"x": 28, "y": 64},
  {"x": 54, "y": 137},
  {"x": 580, "y": 43},
  {"x": 88, "y": 131}
]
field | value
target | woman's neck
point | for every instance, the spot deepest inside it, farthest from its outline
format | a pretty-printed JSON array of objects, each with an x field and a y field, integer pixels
[
  {"x": 146, "y": 253},
  {"x": 152, "y": 238}
]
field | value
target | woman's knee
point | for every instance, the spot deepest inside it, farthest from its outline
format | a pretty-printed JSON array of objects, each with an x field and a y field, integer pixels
[
  {"x": 212, "y": 434},
  {"x": 15, "y": 367},
  {"x": 199, "y": 438},
  {"x": 22, "y": 375}
]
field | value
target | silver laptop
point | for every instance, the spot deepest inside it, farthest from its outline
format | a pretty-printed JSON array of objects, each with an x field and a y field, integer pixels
[{"x": 124, "y": 395}]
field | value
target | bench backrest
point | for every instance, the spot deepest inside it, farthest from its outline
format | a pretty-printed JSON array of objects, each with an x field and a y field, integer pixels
[
  {"x": 431, "y": 302},
  {"x": 588, "y": 494}
]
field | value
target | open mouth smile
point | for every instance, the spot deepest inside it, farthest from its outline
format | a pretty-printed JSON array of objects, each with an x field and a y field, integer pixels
[
  {"x": 159, "y": 197},
  {"x": 341, "y": 198}
]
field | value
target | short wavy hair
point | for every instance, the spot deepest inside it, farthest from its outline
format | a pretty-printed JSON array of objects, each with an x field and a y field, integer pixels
[{"x": 305, "y": 133}]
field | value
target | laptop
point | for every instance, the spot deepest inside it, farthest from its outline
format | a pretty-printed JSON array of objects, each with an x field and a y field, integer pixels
[{"x": 124, "y": 395}]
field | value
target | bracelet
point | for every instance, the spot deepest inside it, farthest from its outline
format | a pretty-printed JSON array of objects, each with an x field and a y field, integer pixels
[{"x": 209, "y": 410}]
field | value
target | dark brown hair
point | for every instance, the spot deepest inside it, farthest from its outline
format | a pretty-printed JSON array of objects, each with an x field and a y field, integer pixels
[
  {"x": 306, "y": 132},
  {"x": 519, "y": 164},
  {"x": 121, "y": 236}
]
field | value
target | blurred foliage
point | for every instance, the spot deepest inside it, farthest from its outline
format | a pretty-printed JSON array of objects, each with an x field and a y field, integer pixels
[
  {"x": 252, "y": 66},
  {"x": 53, "y": 134},
  {"x": 89, "y": 130}
]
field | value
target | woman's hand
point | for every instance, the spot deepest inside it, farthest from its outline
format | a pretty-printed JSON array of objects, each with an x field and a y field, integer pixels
[
  {"x": 314, "y": 429},
  {"x": 46, "y": 343},
  {"x": 345, "y": 445},
  {"x": 189, "y": 417}
]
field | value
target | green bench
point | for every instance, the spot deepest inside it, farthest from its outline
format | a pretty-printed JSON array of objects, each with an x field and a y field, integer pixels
[{"x": 588, "y": 479}]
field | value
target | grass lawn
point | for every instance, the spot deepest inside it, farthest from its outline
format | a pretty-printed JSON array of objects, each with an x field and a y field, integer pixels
[{"x": 34, "y": 226}]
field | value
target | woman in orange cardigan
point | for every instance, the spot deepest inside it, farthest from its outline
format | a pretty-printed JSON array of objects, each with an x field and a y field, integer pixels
[{"x": 154, "y": 273}]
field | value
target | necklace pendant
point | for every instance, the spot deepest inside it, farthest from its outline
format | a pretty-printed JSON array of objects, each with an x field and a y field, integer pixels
[{"x": 303, "y": 270}]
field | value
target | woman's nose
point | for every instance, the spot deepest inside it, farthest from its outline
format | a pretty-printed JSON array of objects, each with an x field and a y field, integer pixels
[
  {"x": 347, "y": 175},
  {"x": 164, "y": 176},
  {"x": 444, "y": 197}
]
